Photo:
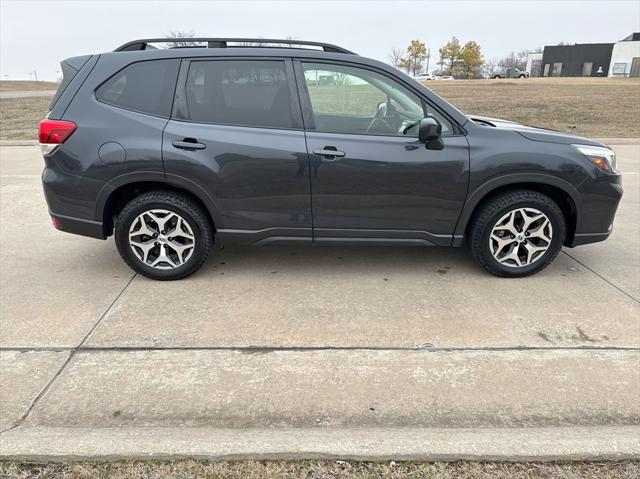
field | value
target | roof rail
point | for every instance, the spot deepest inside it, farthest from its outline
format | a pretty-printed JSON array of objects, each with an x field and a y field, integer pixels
[{"x": 144, "y": 44}]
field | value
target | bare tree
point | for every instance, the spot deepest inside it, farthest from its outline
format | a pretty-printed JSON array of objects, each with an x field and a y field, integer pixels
[
  {"x": 490, "y": 67},
  {"x": 509, "y": 61},
  {"x": 181, "y": 43},
  {"x": 395, "y": 57}
]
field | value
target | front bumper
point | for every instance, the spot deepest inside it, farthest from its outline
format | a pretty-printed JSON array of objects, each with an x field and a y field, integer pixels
[{"x": 600, "y": 199}]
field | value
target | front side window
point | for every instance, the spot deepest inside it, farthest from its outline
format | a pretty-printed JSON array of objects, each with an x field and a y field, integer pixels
[
  {"x": 238, "y": 92},
  {"x": 355, "y": 100},
  {"x": 145, "y": 86}
]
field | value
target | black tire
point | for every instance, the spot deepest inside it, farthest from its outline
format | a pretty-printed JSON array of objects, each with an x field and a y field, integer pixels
[
  {"x": 174, "y": 202},
  {"x": 496, "y": 77},
  {"x": 490, "y": 212},
  {"x": 522, "y": 76}
]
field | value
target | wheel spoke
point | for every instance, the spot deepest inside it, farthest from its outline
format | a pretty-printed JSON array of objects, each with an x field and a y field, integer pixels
[
  {"x": 180, "y": 249},
  {"x": 145, "y": 247},
  {"x": 528, "y": 220},
  {"x": 502, "y": 243},
  {"x": 163, "y": 257},
  {"x": 540, "y": 232},
  {"x": 181, "y": 230},
  {"x": 161, "y": 221},
  {"x": 512, "y": 255},
  {"x": 143, "y": 228},
  {"x": 509, "y": 226},
  {"x": 532, "y": 250}
]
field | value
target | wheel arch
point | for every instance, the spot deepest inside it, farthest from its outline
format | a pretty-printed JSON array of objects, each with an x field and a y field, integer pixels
[
  {"x": 562, "y": 192},
  {"x": 118, "y": 192}
]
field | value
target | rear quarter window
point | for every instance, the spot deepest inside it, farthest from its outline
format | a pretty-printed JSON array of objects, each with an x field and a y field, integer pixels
[{"x": 146, "y": 86}]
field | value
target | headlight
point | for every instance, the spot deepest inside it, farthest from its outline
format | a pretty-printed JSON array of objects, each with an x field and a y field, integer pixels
[{"x": 603, "y": 158}]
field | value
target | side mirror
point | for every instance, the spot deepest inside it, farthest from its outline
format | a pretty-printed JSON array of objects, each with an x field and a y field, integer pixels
[{"x": 430, "y": 133}]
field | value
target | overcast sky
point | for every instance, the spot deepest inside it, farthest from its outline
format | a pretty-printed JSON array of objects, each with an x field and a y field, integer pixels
[{"x": 36, "y": 35}]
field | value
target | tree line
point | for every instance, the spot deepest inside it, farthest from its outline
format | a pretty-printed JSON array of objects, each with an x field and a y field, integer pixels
[{"x": 455, "y": 59}]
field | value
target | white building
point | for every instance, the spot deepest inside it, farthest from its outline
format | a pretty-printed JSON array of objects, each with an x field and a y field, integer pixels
[
  {"x": 625, "y": 57},
  {"x": 534, "y": 62}
]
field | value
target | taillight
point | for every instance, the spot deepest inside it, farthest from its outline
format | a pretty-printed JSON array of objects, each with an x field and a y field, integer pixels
[{"x": 53, "y": 133}]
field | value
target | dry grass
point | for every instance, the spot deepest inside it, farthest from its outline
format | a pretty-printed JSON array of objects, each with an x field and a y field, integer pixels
[
  {"x": 25, "y": 85},
  {"x": 19, "y": 117},
  {"x": 593, "y": 107},
  {"x": 320, "y": 470}
]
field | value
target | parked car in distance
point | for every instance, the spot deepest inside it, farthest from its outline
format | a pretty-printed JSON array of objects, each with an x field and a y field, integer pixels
[
  {"x": 425, "y": 76},
  {"x": 510, "y": 73},
  {"x": 175, "y": 150}
]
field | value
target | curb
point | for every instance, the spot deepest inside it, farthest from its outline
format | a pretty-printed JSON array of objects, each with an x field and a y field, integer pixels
[{"x": 371, "y": 444}]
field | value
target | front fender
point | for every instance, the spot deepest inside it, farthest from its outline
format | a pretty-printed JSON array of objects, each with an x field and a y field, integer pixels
[{"x": 516, "y": 179}]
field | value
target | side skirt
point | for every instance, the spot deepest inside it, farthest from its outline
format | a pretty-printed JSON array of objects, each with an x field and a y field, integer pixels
[{"x": 324, "y": 236}]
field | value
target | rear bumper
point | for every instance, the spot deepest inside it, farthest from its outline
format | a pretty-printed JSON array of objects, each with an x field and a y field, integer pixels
[
  {"x": 78, "y": 226},
  {"x": 71, "y": 202}
]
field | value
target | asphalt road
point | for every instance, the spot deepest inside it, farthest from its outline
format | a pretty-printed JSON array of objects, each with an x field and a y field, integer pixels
[
  {"x": 307, "y": 352},
  {"x": 24, "y": 94}
]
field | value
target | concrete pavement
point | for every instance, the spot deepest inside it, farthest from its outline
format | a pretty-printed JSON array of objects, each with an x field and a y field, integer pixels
[{"x": 268, "y": 343}]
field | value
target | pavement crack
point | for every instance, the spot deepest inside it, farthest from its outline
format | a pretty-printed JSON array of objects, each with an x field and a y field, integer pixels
[
  {"x": 72, "y": 353},
  {"x": 302, "y": 349},
  {"x": 602, "y": 277}
]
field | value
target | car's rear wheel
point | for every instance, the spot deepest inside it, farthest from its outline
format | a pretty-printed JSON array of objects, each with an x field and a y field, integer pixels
[
  {"x": 163, "y": 235},
  {"x": 496, "y": 77},
  {"x": 517, "y": 233}
]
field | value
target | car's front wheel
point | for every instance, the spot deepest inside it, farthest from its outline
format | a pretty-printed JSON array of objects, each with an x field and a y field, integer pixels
[
  {"x": 163, "y": 235},
  {"x": 517, "y": 233}
]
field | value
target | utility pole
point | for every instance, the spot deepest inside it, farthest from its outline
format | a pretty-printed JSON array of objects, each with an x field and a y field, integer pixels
[
  {"x": 428, "y": 58},
  {"x": 35, "y": 74}
]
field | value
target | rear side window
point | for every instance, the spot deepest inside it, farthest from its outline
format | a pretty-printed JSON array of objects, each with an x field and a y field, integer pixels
[
  {"x": 146, "y": 87},
  {"x": 68, "y": 73},
  {"x": 238, "y": 92}
]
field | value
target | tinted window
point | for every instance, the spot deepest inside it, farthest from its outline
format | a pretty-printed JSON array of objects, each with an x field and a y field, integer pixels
[
  {"x": 238, "y": 92},
  {"x": 68, "y": 74},
  {"x": 144, "y": 86},
  {"x": 356, "y": 100}
]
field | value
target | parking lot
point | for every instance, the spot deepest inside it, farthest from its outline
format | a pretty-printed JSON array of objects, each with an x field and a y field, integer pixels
[{"x": 318, "y": 339}]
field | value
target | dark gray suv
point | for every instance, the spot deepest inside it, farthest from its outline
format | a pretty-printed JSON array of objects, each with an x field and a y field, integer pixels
[{"x": 291, "y": 142}]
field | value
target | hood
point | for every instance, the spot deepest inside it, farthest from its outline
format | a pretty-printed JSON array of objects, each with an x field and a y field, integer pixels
[{"x": 533, "y": 133}]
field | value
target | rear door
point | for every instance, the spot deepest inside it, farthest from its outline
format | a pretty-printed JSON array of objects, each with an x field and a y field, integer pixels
[
  {"x": 371, "y": 177},
  {"x": 236, "y": 132}
]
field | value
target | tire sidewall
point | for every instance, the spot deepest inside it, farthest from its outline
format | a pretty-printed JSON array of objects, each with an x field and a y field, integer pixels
[
  {"x": 557, "y": 223},
  {"x": 125, "y": 250}
]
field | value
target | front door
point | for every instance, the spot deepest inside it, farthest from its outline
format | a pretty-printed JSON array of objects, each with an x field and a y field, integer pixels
[{"x": 370, "y": 176}]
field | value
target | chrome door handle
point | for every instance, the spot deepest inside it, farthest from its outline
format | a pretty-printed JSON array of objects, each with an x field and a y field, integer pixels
[
  {"x": 189, "y": 145},
  {"x": 329, "y": 152}
]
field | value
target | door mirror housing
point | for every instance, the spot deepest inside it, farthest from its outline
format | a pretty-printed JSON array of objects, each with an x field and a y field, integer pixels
[{"x": 430, "y": 133}]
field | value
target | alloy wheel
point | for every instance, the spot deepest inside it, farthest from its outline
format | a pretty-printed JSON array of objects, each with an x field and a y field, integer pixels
[
  {"x": 161, "y": 239},
  {"x": 521, "y": 237}
]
